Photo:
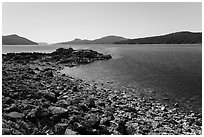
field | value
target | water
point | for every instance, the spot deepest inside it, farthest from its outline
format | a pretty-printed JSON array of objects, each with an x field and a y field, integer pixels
[{"x": 174, "y": 71}]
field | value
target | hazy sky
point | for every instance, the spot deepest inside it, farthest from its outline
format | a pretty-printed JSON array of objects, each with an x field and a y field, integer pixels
[{"x": 57, "y": 22}]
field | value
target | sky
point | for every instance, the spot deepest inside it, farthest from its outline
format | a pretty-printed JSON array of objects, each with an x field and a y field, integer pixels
[{"x": 64, "y": 21}]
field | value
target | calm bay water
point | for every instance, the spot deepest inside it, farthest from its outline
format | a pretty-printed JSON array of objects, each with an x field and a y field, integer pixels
[{"x": 174, "y": 71}]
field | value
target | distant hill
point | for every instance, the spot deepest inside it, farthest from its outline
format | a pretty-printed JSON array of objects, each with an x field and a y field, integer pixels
[
  {"x": 183, "y": 37},
  {"x": 108, "y": 40},
  {"x": 16, "y": 40},
  {"x": 42, "y": 43},
  {"x": 76, "y": 41},
  {"x": 103, "y": 40}
]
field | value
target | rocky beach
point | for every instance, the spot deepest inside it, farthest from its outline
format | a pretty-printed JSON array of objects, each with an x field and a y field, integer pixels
[{"x": 39, "y": 100}]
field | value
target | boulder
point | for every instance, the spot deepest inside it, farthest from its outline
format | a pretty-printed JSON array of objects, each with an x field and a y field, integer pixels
[
  {"x": 75, "y": 89},
  {"x": 62, "y": 103},
  {"x": 130, "y": 109},
  {"x": 83, "y": 107},
  {"x": 49, "y": 73},
  {"x": 101, "y": 103},
  {"x": 13, "y": 107},
  {"x": 166, "y": 99},
  {"x": 122, "y": 127},
  {"x": 15, "y": 115},
  {"x": 176, "y": 105},
  {"x": 163, "y": 108},
  {"x": 27, "y": 126},
  {"x": 7, "y": 100},
  {"x": 58, "y": 111},
  {"x": 105, "y": 121},
  {"x": 38, "y": 113},
  {"x": 70, "y": 132},
  {"x": 59, "y": 129},
  {"x": 132, "y": 128},
  {"x": 92, "y": 120},
  {"x": 96, "y": 110},
  {"x": 145, "y": 131},
  {"x": 103, "y": 130},
  {"x": 91, "y": 102},
  {"x": 74, "y": 119},
  {"x": 198, "y": 123},
  {"x": 6, "y": 131},
  {"x": 47, "y": 69},
  {"x": 107, "y": 56},
  {"x": 30, "y": 71},
  {"x": 83, "y": 130},
  {"x": 47, "y": 94}
]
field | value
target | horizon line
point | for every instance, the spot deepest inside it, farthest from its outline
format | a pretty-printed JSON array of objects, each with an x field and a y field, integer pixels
[{"x": 107, "y": 36}]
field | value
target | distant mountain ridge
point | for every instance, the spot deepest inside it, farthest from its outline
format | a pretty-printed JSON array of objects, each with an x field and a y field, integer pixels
[
  {"x": 183, "y": 37},
  {"x": 104, "y": 40},
  {"x": 16, "y": 40},
  {"x": 108, "y": 40},
  {"x": 77, "y": 41}
]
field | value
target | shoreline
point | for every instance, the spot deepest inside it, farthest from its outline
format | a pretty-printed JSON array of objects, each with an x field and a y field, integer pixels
[{"x": 37, "y": 99}]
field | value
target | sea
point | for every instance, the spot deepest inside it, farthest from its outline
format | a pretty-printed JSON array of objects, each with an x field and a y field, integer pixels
[{"x": 172, "y": 72}]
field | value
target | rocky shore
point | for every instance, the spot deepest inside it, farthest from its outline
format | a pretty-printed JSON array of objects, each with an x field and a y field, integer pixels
[{"x": 38, "y": 99}]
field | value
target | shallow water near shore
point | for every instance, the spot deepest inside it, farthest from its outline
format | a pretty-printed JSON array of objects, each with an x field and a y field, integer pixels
[{"x": 173, "y": 71}]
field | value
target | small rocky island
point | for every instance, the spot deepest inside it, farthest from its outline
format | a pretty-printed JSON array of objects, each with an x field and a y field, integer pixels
[{"x": 38, "y": 100}]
